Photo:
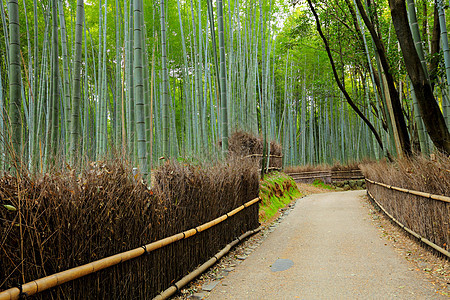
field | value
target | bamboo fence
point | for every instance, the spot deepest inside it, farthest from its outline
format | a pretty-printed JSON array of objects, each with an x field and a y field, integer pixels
[
  {"x": 42, "y": 284},
  {"x": 421, "y": 237}
]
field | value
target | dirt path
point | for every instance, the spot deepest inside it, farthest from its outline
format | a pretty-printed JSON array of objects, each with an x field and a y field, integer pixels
[{"x": 326, "y": 248}]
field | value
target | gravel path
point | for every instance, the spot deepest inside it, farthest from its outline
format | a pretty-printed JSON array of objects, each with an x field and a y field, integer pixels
[{"x": 325, "y": 248}]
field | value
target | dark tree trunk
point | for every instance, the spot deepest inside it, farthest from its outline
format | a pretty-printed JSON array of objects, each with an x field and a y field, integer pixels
[
  {"x": 431, "y": 114},
  {"x": 395, "y": 99},
  {"x": 435, "y": 47}
]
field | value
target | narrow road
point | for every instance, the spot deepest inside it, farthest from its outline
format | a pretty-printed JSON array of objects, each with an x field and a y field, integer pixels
[{"x": 326, "y": 248}]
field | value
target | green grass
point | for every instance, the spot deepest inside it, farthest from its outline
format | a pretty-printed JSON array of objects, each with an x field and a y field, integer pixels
[
  {"x": 277, "y": 191},
  {"x": 321, "y": 184}
]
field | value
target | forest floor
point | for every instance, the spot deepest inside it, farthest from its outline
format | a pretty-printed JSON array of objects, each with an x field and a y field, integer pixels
[{"x": 334, "y": 245}]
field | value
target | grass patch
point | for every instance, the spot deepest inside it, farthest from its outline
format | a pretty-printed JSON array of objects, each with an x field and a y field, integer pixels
[
  {"x": 277, "y": 190},
  {"x": 321, "y": 184}
]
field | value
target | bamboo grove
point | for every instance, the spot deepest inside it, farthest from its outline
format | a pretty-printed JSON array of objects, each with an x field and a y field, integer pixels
[{"x": 173, "y": 79}]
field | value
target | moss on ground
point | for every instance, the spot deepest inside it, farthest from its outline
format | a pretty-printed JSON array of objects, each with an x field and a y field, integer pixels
[{"x": 277, "y": 191}]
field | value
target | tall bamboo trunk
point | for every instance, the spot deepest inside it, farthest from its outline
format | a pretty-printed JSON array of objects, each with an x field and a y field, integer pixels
[
  {"x": 53, "y": 146},
  {"x": 223, "y": 79},
  {"x": 76, "y": 83},
  {"x": 165, "y": 96},
  {"x": 139, "y": 88},
  {"x": 14, "y": 77}
]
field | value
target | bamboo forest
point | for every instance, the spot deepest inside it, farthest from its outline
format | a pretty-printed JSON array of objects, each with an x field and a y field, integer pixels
[
  {"x": 329, "y": 80},
  {"x": 142, "y": 140}
]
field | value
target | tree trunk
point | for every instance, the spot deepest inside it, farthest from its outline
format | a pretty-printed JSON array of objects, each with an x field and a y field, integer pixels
[
  {"x": 435, "y": 48},
  {"x": 394, "y": 96},
  {"x": 428, "y": 107}
]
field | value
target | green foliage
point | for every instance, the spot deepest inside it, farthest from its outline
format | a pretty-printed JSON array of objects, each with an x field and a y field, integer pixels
[
  {"x": 276, "y": 191},
  {"x": 321, "y": 184}
]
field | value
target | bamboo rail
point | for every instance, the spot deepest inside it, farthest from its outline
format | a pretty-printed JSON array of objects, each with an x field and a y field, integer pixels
[
  {"x": 417, "y": 193},
  {"x": 418, "y": 236},
  {"x": 42, "y": 284},
  {"x": 188, "y": 278},
  {"x": 330, "y": 175},
  {"x": 260, "y": 155}
]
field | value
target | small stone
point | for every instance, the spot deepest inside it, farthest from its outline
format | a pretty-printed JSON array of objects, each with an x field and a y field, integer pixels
[
  {"x": 197, "y": 296},
  {"x": 241, "y": 257},
  {"x": 228, "y": 269},
  {"x": 209, "y": 287}
]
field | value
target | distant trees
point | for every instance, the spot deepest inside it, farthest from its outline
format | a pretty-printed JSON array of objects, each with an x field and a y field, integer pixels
[
  {"x": 78, "y": 79},
  {"x": 389, "y": 80}
]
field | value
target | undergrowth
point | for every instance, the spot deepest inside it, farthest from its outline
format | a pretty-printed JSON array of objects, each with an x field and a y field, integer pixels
[{"x": 276, "y": 191}]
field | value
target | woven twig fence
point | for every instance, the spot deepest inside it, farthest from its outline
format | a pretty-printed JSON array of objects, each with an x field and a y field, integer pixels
[
  {"x": 424, "y": 215},
  {"x": 57, "y": 279}
]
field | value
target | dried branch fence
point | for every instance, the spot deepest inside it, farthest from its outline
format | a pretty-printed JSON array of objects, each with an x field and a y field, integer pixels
[
  {"x": 59, "y": 222},
  {"x": 423, "y": 215},
  {"x": 42, "y": 284}
]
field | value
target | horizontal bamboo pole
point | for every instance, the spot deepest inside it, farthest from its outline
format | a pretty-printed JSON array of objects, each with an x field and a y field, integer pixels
[
  {"x": 309, "y": 172},
  {"x": 417, "y": 193},
  {"x": 191, "y": 276},
  {"x": 260, "y": 155},
  {"x": 418, "y": 236},
  {"x": 42, "y": 284},
  {"x": 309, "y": 177},
  {"x": 347, "y": 171}
]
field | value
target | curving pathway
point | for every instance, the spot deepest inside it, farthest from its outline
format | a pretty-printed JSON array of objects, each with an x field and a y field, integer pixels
[{"x": 326, "y": 248}]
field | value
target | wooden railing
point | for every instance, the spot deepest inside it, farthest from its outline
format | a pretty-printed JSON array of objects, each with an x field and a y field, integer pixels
[{"x": 327, "y": 176}]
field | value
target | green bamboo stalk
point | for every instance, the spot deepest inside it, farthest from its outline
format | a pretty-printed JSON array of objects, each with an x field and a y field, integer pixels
[
  {"x": 419, "y": 123},
  {"x": 55, "y": 93},
  {"x": 5, "y": 30},
  {"x": 446, "y": 50},
  {"x": 66, "y": 94},
  {"x": 118, "y": 76},
  {"x": 14, "y": 76},
  {"x": 165, "y": 97},
  {"x": 416, "y": 34},
  {"x": 139, "y": 88},
  {"x": 223, "y": 79},
  {"x": 76, "y": 83}
]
